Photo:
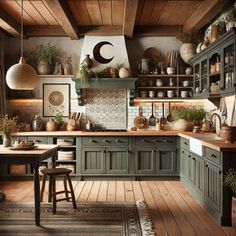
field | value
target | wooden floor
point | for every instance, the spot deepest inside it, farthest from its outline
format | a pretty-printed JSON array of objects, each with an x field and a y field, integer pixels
[{"x": 173, "y": 211}]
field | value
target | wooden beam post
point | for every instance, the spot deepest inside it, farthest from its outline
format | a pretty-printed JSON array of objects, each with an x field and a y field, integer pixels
[
  {"x": 206, "y": 11},
  {"x": 62, "y": 13},
  {"x": 9, "y": 24},
  {"x": 130, "y": 11}
]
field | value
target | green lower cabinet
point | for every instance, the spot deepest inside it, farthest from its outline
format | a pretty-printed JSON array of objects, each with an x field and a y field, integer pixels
[
  {"x": 199, "y": 175},
  {"x": 117, "y": 160},
  {"x": 166, "y": 161},
  {"x": 191, "y": 167},
  {"x": 183, "y": 163},
  {"x": 213, "y": 185},
  {"x": 93, "y": 160},
  {"x": 145, "y": 160}
]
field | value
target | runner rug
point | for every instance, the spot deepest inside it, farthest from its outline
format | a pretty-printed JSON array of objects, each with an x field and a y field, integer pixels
[{"x": 98, "y": 219}]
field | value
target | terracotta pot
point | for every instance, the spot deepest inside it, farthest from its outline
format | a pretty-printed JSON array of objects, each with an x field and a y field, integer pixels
[
  {"x": 187, "y": 50},
  {"x": 214, "y": 33},
  {"x": 227, "y": 133},
  {"x": 51, "y": 125},
  {"x": 183, "y": 125},
  {"x": 44, "y": 68}
]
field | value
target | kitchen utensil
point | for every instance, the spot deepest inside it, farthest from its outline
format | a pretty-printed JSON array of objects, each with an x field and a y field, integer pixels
[
  {"x": 152, "y": 119},
  {"x": 169, "y": 116},
  {"x": 140, "y": 120},
  {"x": 163, "y": 119}
]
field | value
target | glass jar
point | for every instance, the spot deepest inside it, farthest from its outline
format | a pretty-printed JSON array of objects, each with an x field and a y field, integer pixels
[{"x": 37, "y": 123}]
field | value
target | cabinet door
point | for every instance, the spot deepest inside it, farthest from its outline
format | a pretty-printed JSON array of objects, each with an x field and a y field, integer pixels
[
  {"x": 199, "y": 175},
  {"x": 93, "y": 160},
  {"x": 213, "y": 185},
  {"x": 166, "y": 161},
  {"x": 191, "y": 167},
  {"x": 145, "y": 160},
  {"x": 117, "y": 160}
]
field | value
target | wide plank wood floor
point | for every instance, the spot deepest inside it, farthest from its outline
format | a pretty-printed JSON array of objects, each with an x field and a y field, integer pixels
[{"x": 173, "y": 211}]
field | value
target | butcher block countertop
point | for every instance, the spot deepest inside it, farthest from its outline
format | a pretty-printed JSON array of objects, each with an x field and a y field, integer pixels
[{"x": 217, "y": 145}]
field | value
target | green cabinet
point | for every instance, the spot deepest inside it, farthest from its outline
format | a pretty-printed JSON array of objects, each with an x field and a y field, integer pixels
[
  {"x": 156, "y": 156},
  {"x": 183, "y": 163}
]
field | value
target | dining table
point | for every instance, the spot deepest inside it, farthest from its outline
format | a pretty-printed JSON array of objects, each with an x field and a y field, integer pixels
[{"x": 33, "y": 156}]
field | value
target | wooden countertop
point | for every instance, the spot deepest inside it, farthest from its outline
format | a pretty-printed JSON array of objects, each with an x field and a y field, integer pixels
[{"x": 217, "y": 145}]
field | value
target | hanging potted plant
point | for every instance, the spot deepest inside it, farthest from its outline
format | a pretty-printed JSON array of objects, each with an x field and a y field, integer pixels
[
  {"x": 230, "y": 181},
  {"x": 45, "y": 56}
]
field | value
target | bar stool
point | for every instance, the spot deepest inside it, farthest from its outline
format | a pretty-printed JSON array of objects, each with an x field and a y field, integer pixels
[{"x": 52, "y": 173}]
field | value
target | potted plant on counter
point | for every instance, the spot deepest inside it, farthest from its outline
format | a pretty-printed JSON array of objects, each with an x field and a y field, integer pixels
[
  {"x": 187, "y": 117},
  {"x": 230, "y": 181}
]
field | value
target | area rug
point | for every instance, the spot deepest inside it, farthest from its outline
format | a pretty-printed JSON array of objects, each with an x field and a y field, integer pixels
[{"x": 98, "y": 219}]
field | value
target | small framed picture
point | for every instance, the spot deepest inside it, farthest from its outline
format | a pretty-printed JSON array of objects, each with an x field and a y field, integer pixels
[{"x": 56, "y": 99}]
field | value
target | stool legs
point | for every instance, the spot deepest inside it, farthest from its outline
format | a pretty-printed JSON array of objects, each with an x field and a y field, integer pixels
[
  {"x": 50, "y": 189},
  {"x": 71, "y": 191},
  {"x": 66, "y": 190},
  {"x": 54, "y": 197}
]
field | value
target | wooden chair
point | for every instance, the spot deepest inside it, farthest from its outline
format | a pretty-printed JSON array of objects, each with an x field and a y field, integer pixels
[{"x": 52, "y": 195}]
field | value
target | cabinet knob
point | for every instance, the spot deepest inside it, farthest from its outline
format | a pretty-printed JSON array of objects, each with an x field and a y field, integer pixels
[
  {"x": 92, "y": 141},
  {"x": 185, "y": 143},
  {"x": 220, "y": 172},
  {"x": 189, "y": 155},
  {"x": 182, "y": 151},
  {"x": 206, "y": 165},
  {"x": 194, "y": 158}
]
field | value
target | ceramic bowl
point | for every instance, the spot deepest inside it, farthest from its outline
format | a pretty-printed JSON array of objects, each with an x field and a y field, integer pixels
[
  {"x": 186, "y": 83},
  {"x": 183, "y": 94},
  {"x": 170, "y": 70}
]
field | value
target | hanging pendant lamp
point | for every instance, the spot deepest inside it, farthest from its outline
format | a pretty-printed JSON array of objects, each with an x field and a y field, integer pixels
[{"x": 21, "y": 76}]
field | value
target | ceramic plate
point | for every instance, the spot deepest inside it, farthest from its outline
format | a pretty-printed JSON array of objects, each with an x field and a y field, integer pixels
[{"x": 23, "y": 148}]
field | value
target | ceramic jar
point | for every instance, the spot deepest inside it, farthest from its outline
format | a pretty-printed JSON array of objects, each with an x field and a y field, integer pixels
[
  {"x": 160, "y": 94},
  {"x": 37, "y": 123},
  {"x": 44, "y": 68},
  {"x": 88, "y": 61},
  {"x": 6, "y": 141},
  {"x": 170, "y": 70},
  {"x": 187, "y": 50},
  {"x": 143, "y": 94},
  {"x": 186, "y": 83},
  {"x": 145, "y": 66},
  {"x": 184, "y": 94},
  {"x": 152, "y": 93},
  {"x": 51, "y": 125},
  {"x": 206, "y": 126},
  {"x": 124, "y": 72},
  {"x": 188, "y": 71},
  {"x": 159, "y": 83},
  {"x": 170, "y": 93},
  {"x": 214, "y": 33},
  {"x": 215, "y": 88}
]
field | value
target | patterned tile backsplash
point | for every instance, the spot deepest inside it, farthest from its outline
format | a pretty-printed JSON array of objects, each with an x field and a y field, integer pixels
[{"x": 107, "y": 108}]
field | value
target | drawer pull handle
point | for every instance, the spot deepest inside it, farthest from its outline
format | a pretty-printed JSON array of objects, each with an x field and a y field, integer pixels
[
  {"x": 106, "y": 141},
  {"x": 206, "y": 165},
  {"x": 220, "y": 172},
  {"x": 119, "y": 141},
  {"x": 182, "y": 151},
  {"x": 189, "y": 155},
  {"x": 185, "y": 143},
  {"x": 194, "y": 158},
  {"x": 214, "y": 156},
  {"x": 145, "y": 140},
  {"x": 92, "y": 141}
]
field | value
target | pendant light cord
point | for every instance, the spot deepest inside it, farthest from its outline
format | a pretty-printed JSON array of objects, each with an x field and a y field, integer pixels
[{"x": 21, "y": 29}]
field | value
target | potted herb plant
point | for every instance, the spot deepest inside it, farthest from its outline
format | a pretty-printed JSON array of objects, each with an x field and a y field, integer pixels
[
  {"x": 230, "y": 181},
  {"x": 45, "y": 56},
  {"x": 187, "y": 117},
  {"x": 7, "y": 129}
]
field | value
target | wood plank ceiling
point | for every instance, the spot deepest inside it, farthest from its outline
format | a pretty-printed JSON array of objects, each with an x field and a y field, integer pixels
[{"x": 75, "y": 18}]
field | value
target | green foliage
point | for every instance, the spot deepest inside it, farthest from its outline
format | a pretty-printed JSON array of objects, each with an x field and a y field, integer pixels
[
  {"x": 59, "y": 117},
  {"x": 230, "y": 180},
  {"x": 46, "y": 52},
  {"x": 190, "y": 114},
  {"x": 7, "y": 126},
  {"x": 84, "y": 73}
]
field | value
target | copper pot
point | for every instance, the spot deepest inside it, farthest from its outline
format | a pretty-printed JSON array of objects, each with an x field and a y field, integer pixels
[{"x": 227, "y": 133}]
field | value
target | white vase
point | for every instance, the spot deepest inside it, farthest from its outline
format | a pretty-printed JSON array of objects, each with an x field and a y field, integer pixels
[
  {"x": 6, "y": 141},
  {"x": 183, "y": 125},
  {"x": 124, "y": 72},
  {"x": 187, "y": 50}
]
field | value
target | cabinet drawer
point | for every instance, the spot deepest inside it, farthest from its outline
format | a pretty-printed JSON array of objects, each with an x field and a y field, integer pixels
[
  {"x": 105, "y": 141},
  {"x": 213, "y": 156},
  {"x": 150, "y": 141},
  {"x": 39, "y": 140},
  {"x": 184, "y": 143}
]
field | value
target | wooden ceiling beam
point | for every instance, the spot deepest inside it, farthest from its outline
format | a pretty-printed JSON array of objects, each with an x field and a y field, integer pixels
[
  {"x": 130, "y": 11},
  {"x": 206, "y": 11},
  {"x": 44, "y": 30},
  {"x": 158, "y": 31},
  {"x": 101, "y": 30},
  {"x": 9, "y": 24},
  {"x": 63, "y": 15}
]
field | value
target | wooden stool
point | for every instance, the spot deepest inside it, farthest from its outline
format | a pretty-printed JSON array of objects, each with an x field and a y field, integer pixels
[{"x": 52, "y": 173}]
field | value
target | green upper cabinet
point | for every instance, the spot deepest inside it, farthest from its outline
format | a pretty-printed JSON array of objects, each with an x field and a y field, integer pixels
[{"x": 214, "y": 68}]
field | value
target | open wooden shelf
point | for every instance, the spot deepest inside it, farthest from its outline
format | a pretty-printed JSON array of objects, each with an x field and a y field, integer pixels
[{"x": 56, "y": 76}]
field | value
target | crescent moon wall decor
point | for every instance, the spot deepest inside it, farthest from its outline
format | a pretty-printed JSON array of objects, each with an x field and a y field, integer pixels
[{"x": 97, "y": 54}]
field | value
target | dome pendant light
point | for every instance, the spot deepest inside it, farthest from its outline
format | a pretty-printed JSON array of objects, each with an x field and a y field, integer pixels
[{"x": 21, "y": 76}]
